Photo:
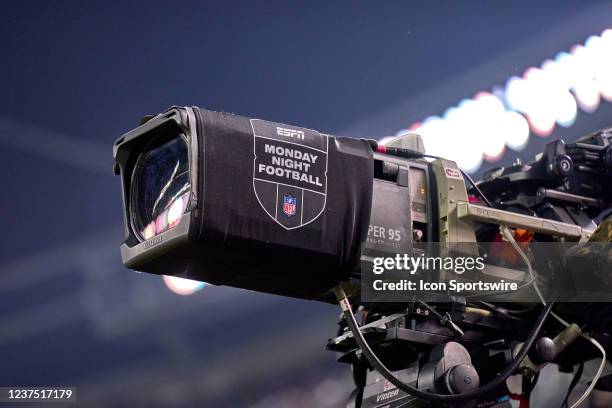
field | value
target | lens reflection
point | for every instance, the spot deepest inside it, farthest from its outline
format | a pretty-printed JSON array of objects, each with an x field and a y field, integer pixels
[{"x": 160, "y": 187}]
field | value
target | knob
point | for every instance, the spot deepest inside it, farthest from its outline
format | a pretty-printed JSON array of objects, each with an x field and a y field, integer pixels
[
  {"x": 563, "y": 165},
  {"x": 545, "y": 351},
  {"x": 461, "y": 379}
]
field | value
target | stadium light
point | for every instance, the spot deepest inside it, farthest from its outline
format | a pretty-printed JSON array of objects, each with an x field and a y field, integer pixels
[{"x": 536, "y": 103}]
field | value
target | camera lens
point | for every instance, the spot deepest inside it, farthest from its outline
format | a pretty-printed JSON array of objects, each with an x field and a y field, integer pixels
[{"x": 160, "y": 186}]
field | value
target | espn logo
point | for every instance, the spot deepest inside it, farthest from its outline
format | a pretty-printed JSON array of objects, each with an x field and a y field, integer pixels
[{"x": 297, "y": 134}]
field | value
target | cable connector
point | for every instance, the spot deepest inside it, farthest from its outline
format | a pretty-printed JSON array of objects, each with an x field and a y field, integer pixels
[
  {"x": 342, "y": 299},
  {"x": 447, "y": 322}
]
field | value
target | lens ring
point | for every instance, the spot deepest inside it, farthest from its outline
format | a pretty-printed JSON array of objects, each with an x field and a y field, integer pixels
[{"x": 160, "y": 186}]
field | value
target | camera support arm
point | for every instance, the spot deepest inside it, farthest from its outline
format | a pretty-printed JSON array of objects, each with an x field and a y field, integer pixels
[
  {"x": 345, "y": 305},
  {"x": 490, "y": 215}
]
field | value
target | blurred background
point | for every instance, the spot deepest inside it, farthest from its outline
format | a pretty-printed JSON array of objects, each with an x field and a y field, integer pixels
[{"x": 483, "y": 82}]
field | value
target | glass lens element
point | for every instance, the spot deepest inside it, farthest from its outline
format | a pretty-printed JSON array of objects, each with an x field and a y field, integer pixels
[{"x": 160, "y": 187}]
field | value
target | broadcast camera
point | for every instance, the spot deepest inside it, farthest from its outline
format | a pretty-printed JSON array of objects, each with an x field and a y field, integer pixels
[{"x": 291, "y": 211}]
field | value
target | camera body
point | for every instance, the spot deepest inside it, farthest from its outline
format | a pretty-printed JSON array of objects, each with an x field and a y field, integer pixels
[
  {"x": 287, "y": 210},
  {"x": 272, "y": 207}
]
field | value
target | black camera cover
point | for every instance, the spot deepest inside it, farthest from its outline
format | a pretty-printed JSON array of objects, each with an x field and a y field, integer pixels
[{"x": 283, "y": 209}]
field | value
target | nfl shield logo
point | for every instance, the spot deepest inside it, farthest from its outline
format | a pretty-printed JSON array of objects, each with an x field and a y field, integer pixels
[
  {"x": 289, "y": 169},
  {"x": 289, "y": 204}
]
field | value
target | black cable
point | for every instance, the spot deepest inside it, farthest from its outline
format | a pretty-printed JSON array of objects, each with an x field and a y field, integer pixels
[
  {"x": 530, "y": 385},
  {"x": 445, "y": 320},
  {"x": 573, "y": 385},
  {"x": 480, "y": 192},
  {"x": 384, "y": 371}
]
